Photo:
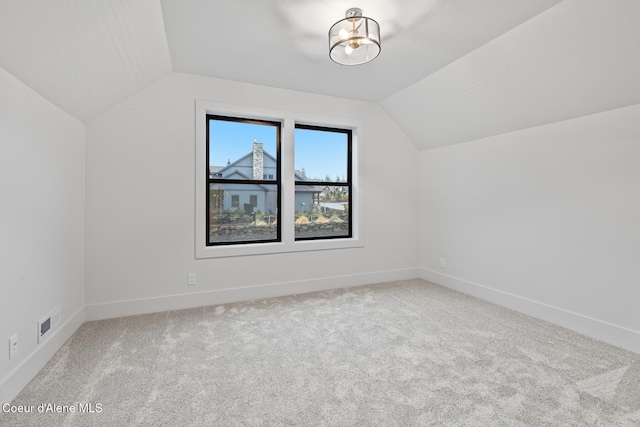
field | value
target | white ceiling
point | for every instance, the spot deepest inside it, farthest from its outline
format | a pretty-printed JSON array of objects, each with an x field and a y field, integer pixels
[
  {"x": 581, "y": 57},
  {"x": 450, "y": 70},
  {"x": 284, "y": 43},
  {"x": 85, "y": 56}
]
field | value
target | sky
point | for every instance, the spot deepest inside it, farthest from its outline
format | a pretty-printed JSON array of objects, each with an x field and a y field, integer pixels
[{"x": 319, "y": 153}]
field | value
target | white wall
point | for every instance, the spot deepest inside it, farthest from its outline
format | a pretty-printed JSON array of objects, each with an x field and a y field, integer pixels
[
  {"x": 140, "y": 205},
  {"x": 543, "y": 220},
  {"x": 41, "y": 228}
]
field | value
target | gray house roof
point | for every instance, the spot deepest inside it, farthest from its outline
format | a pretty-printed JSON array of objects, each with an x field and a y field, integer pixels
[
  {"x": 228, "y": 171},
  {"x": 221, "y": 169}
]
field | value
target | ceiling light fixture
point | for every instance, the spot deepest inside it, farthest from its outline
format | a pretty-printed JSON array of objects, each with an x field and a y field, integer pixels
[{"x": 355, "y": 39}]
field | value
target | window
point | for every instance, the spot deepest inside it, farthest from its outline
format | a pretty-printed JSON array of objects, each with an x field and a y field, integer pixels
[
  {"x": 311, "y": 168},
  {"x": 322, "y": 182},
  {"x": 243, "y": 206}
]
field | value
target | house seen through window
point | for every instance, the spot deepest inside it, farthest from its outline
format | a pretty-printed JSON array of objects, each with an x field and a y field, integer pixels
[
  {"x": 322, "y": 182},
  {"x": 244, "y": 180},
  {"x": 244, "y": 201}
]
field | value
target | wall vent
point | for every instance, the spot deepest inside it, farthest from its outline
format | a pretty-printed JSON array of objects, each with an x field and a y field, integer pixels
[{"x": 48, "y": 324}]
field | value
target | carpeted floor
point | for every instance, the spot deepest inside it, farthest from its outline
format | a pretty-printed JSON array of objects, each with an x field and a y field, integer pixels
[{"x": 404, "y": 353}]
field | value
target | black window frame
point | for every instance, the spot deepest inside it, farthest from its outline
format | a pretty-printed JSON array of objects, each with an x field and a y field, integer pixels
[
  {"x": 348, "y": 183},
  {"x": 217, "y": 180}
]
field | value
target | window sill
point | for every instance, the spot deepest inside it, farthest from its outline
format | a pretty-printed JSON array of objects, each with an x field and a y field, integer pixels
[{"x": 251, "y": 249}]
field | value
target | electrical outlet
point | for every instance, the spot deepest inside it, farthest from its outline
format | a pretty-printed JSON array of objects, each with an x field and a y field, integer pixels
[
  {"x": 13, "y": 346},
  {"x": 192, "y": 279},
  {"x": 443, "y": 263}
]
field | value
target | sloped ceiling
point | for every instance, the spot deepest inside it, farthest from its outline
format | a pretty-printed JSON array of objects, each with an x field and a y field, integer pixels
[
  {"x": 581, "y": 57},
  {"x": 85, "y": 56},
  {"x": 450, "y": 70}
]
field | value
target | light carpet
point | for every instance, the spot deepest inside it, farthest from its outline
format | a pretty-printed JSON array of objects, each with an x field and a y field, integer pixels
[{"x": 406, "y": 353}]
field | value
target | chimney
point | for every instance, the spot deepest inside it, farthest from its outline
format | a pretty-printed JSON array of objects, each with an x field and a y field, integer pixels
[{"x": 258, "y": 166}]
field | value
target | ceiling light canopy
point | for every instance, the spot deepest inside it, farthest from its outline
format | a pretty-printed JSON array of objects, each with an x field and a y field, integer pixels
[{"x": 355, "y": 39}]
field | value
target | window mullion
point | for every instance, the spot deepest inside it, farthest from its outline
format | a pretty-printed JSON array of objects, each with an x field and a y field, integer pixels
[{"x": 288, "y": 184}]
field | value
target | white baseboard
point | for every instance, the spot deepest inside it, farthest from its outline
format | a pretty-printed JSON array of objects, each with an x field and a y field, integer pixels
[
  {"x": 224, "y": 296},
  {"x": 603, "y": 331},
  {"x": 20, "y": 376}
]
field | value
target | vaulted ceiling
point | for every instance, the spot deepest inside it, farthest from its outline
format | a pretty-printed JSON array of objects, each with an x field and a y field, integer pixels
[{"x": 450, "y": 71}]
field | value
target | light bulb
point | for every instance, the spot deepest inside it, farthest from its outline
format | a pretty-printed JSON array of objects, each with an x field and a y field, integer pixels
[
  {"x": 343, "y": 34},
  {"x": 348, "y": 50}
]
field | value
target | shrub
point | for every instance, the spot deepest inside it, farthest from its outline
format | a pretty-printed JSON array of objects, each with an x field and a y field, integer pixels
[
  {"x": 335, "y": 218},
  {"x": 302, "y": 220},
  {"x": 321, "y": 219}
]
